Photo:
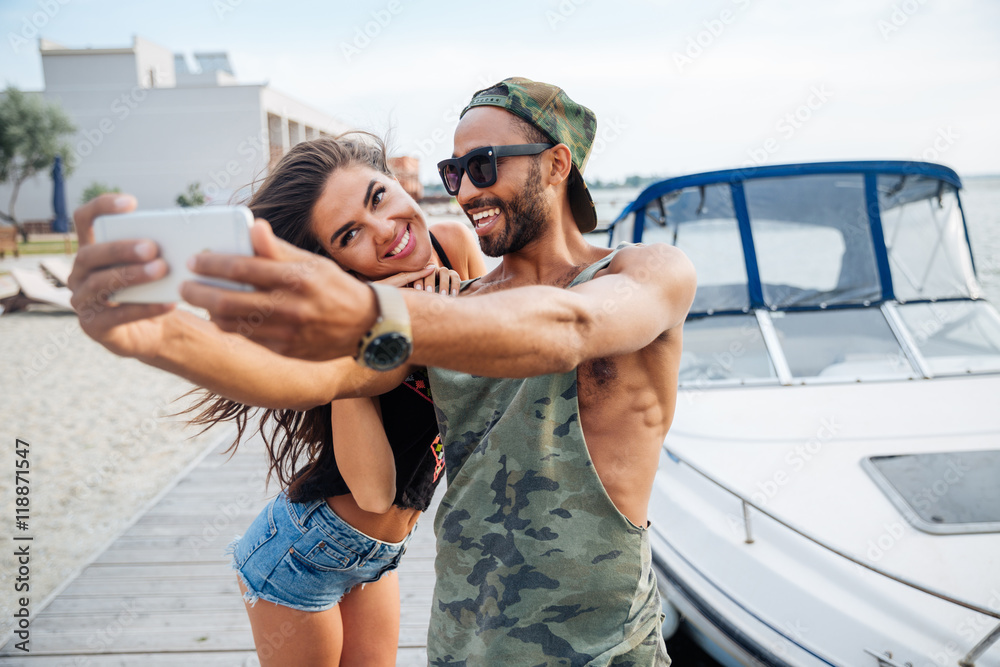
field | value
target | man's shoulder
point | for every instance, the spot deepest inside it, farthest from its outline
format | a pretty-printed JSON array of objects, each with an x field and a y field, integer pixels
[{"x": 652, "y": 259}]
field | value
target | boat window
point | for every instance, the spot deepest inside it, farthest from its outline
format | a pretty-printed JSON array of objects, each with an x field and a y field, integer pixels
[
  {"x": 813, "y": 240},
  {"x": 701, "y": 222},
  {"x": 848, "y": 344},
  {"x": 955, "y": 336},
  {"x": 723, "y": 347},
  {"x": 942, "y": 492},
  {"x": 922, "y": 224}
]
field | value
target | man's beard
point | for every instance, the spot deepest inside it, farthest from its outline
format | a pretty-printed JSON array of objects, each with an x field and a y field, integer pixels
[{"x": 525, "y": 217}]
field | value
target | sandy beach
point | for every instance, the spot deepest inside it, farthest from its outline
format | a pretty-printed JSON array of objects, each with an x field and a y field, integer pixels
[{"x": 101, "y": 445}]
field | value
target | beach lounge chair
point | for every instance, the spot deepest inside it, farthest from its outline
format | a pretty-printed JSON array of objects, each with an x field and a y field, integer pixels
[
  {"x": 34, "y": 288},
  {"x": 58, "y": 269}
]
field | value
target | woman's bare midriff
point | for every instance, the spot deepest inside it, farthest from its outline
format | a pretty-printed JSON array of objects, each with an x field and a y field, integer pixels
[{"x": 392, "y": 526}]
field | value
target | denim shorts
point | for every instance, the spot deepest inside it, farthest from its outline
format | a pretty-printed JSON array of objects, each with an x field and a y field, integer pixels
[{"x": 304, "y": 556}]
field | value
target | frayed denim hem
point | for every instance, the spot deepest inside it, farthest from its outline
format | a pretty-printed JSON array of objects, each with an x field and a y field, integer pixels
[{"x": 251, "y": 596}]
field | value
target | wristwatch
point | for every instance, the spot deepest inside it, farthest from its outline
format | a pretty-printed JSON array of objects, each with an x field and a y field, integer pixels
[{"x": 388, "y": 343}]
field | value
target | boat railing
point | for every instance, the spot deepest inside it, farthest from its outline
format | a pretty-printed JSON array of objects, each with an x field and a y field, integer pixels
[{"x": 967, "y": 661}]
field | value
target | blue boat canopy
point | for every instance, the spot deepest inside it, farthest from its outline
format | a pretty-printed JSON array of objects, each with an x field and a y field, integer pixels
[
  {"x": 822, "y": 272},
  {"x": 812, "y": 236}
]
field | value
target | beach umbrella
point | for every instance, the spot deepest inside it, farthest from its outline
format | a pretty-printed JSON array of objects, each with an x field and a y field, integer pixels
[{"x": 61, "y": 222}]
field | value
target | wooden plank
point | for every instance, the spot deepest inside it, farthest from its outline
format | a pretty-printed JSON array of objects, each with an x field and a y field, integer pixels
[
  {"x": 93, "y": 604},
  {"x": 220, "y": 585},
  {"x": 98, "y": 571},
  {"x": 412, "y": 657},
  {"x": 188, "y": 659},
  {"x": 72, "y": 643},
  {"x": 165, "y": 529},
  {"x": 133, "y": 618},
  {"x": 211, "y": 540}
]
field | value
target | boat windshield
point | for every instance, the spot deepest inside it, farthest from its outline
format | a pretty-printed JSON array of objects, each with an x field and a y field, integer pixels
[
  {"x": 724, "y": 348},
  {"x": 812, "y": 239},
  {"x": 823, "y": 275},
  {"x": 849, "y": 344},
  {"x": 955, "y": 336}
]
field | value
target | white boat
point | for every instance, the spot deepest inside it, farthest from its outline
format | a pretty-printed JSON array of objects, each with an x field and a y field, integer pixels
[{"x": 829, "y": 493}]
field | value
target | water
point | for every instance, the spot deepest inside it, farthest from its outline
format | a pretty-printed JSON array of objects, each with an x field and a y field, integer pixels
[{"x": 609, "y": 202}]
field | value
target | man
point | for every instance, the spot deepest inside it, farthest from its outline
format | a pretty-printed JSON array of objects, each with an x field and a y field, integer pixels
[{"x": 543, "y": 554}]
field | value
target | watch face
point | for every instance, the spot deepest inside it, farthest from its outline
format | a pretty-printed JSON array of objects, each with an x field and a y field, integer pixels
[{"x": 388, "y": 351}]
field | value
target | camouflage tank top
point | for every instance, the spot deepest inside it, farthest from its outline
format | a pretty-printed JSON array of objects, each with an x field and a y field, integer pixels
[{"x": 535, "y": 565}]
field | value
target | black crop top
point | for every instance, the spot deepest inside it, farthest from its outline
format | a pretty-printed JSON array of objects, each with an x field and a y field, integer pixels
[{"x": 412, "y": 431}]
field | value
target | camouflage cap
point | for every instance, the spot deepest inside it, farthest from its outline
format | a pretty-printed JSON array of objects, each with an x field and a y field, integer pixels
[{"x": 562, "y": 120}]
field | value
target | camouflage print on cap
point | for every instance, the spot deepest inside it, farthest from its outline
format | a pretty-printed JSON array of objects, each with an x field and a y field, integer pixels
[{"x": 550, "y": 109}]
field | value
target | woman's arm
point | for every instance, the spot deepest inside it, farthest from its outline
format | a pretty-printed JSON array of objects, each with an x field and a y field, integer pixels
[
  {"x": 364, "y": 456},
  {"x": 236, "y": 368}
]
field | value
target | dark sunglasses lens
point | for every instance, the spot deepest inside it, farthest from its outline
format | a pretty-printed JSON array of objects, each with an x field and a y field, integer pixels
[
  {"x": 452, "y": 178},
  {"x": 481, "y": 170}
]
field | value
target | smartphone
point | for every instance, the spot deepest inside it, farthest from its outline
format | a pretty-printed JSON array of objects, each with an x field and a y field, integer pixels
[{"x": 180, "y": 233}]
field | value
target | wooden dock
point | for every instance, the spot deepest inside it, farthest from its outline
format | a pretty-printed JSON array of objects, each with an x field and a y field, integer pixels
[{"x": 162, "y": 593}]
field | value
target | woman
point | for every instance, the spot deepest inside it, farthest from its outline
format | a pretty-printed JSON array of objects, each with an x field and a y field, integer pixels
[{"x": 318, "y": 561}]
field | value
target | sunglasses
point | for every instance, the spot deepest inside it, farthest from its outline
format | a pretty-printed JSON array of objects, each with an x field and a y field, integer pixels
[{"x": 481, "y": 164}]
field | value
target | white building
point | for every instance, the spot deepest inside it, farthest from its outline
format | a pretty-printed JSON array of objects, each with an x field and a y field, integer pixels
[{"x": 150, "y": 126}]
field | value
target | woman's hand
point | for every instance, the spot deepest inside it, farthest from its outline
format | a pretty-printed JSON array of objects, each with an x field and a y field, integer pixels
[
  {"x": 431, "y": 278},
  {"x": 442, "y": 280}
]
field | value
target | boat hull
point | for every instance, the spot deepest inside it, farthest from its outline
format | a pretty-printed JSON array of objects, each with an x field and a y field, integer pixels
[{"x": 771, "y": 596}]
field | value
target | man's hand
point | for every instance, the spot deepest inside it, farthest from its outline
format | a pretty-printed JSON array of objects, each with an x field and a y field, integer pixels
[
  {"x": 129, "y": 330},
  {"x": 305, "y": 306}
]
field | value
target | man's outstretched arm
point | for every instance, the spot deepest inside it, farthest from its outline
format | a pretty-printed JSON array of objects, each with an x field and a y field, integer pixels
[
  {"x": 186, "y": 345},
  {"x": 531, "y": 331},
  {"x": 316, "y": 311}
]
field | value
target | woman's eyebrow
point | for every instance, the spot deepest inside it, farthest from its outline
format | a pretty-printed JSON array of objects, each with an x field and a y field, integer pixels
[{"x": 368, "y": 192}]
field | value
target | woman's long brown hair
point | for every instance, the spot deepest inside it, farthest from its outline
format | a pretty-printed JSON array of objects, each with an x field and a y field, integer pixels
[{"x": 286, "y": 199}]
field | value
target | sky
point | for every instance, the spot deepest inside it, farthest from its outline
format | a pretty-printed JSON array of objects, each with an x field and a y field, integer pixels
[{"x": 678, "y": 87}]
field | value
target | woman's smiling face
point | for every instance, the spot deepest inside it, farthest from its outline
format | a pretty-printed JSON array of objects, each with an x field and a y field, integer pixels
[{"x": 369, "y": 224}]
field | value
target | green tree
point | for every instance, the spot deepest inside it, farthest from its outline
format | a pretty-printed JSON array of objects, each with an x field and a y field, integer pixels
[
  {"x": 193, "y": 197},
  {"x": 32, "y": 133},
  {"x": 95, "y": 190}
]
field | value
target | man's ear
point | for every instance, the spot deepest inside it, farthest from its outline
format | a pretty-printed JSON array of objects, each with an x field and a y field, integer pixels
[{"x": 561, "y": 162}]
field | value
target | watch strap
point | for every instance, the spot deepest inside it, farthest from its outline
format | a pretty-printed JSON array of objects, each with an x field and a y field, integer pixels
[{"x": 393, "y": 317}]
